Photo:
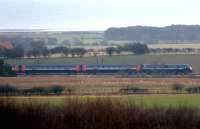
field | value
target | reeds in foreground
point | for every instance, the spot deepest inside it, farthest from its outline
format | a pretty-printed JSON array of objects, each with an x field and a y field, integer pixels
[{"x": 101, "y": 113}]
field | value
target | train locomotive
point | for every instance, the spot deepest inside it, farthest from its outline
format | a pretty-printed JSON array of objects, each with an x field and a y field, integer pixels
[{"x": 83, "y": 69}]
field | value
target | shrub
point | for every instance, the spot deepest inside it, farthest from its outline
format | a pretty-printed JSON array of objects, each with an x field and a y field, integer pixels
[
  {"x": 56, "y": 89},
  {"x": 110, "y": 50},
  {"x": 69, "y": 90},
  {"x": 178, "y": 87},
  {"x": 1, "y": 62},
  {"x": 137, "y": 48},
  {"x": 133, "y": 90},
  {"x": 8, "y": 90},
  {"x": 193, "y": 89},
  {"x": 36, "y": 91}
]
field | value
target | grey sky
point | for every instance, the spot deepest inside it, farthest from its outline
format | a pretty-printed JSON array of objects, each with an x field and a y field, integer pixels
[{"x": 96, "y": 14}]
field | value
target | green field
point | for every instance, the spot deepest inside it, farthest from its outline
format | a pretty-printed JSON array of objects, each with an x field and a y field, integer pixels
[
  {"x": 191, "y": 100},
  {"x": 192, "y": 59},
  {"x": 85, "y": 38}
]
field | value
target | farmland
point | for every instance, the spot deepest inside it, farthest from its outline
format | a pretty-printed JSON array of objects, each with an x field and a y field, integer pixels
[
  {"x": 102, "y": 86},
  {"x": 192, "y": 59},
  {"x": 88, "y": 38},
  {"x": 88, "y": 88},
  {"x": 90, "y": 96},
  {"x": 175, "y": 45}
]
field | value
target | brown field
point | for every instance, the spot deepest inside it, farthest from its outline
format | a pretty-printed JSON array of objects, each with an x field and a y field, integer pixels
[
  {"x": 95, "y": 81},
  {"x": 100, "y": 85},
  {"x": 175, "y": 45}
]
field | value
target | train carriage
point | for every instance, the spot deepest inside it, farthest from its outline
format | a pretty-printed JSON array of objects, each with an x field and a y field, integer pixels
[
  {"x": 147, "y": 69},
  {"x": 166, "y": 69}
]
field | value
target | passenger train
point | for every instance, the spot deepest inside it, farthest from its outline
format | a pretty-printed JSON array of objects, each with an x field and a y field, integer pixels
[{"x": 144, "y": 69}]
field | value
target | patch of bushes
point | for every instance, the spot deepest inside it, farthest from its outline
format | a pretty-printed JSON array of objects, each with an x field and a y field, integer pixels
[
  {"x": 193, "y": 89},
  {"x": 133, "y": 90},
  {"x": 178, "y": 87},
  {"x": 8, "y": 90},
  {"x": 36, "y": 91},
  {"x": 56, "y": 89},
  {"x": 53, "y": 90},
  {"x": 69, "y": 91},
  {"x": 96, "y": 114}
]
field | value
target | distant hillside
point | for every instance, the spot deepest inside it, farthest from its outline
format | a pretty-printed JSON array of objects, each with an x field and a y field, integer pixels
[
  {"x": 52, "y": 38},
  {"x": 155, "y": 34}
]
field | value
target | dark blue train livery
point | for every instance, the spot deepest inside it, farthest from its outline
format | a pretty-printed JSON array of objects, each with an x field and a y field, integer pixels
[{"x": 146, "y": 69}]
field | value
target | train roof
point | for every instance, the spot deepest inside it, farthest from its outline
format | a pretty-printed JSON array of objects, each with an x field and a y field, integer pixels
[{"x": 105, "y": 65}]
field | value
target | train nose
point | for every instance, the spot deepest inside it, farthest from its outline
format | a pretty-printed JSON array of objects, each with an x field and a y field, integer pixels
[{"x": 190, "y": 68}]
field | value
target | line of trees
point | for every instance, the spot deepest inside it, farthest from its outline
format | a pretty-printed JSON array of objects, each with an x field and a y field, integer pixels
[
  {"x": 173, "y": 50},
  {"x": 68, "y": 51},
  {"x": 136, "y": 48},
  {"x": 8, "y": 90},
  {"x": 139, "y": 49},
  {"x": 38, "y": 49}
]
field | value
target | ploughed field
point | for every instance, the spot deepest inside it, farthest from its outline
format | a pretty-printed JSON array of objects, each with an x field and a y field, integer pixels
[{"x": 84, "y": 85}]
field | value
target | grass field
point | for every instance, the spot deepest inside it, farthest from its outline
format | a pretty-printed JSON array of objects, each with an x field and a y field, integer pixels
[
  {"x": 85, "y": 38},
  {"x": 192, "y": 59},
  {"x": 163, "y": 100}
]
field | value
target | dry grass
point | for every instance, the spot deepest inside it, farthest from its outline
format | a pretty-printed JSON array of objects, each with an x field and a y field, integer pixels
[
  {"x": 179, "y": 46},
  {"x": 106, "y": 85},
  {"x": 90, "y": 81}
]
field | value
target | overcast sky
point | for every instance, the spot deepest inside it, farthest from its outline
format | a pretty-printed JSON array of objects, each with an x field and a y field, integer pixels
[{"x": 96, "y": 14}]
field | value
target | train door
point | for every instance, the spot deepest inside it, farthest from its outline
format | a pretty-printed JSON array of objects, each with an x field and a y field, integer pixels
[
  {"x": 84, "y": 68},
  {"x": 78, "y": 69},
  {"x": 138, "y": 68},
  {"x": 16, "y": 69},
  {"x": 23, "y": 69}
]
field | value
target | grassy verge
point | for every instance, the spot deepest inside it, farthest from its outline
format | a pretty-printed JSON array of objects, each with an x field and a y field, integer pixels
[{"x": 148, "y": 101}]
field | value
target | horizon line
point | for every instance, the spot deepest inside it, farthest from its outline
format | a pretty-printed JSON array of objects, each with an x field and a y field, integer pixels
[{"x": 79, "y": 30}]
